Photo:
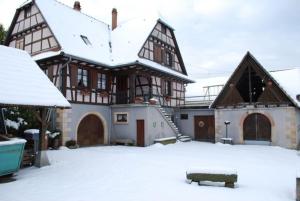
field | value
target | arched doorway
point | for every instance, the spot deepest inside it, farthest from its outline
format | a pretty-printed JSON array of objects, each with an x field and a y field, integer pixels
[
  {"x": 90, "y": 131},
  {"x": 257, "y": 127}
]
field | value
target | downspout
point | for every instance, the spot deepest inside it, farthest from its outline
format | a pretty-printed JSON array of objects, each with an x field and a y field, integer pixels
[{"x": 61, "y": 73}]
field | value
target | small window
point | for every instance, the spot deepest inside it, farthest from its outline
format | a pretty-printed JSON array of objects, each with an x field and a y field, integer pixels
[
  {"x": 85, "y": 40},
  {"x": 168, "y": 88},
  {"x": 184, "y": 116},
  {"x": 82, "y": 78},
  {"x": 101, "y": 82},
  {"x": 163, "y": 29},
  {"x": 121, "y": 118},
  {"x": 169, "y": 59},
  {"x": 20, "y": 43},
  {"x": 27, "y": 12}
]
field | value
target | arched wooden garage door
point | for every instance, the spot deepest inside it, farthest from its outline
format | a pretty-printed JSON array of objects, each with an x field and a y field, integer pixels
[
  {"x": 257, "y": 127},
  {"x": 90, "y": 131}
]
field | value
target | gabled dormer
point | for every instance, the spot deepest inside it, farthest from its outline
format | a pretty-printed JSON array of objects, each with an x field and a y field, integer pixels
[
  {"x": 161, "y": 47},
  {"x": 29, "y": 31}
]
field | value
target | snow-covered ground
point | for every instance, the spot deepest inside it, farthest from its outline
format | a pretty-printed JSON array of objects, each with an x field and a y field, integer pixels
[{"x": 157, "y": 173}]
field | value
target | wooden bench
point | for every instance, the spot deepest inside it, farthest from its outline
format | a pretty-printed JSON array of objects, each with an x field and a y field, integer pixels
[
  {"x": 164, "y": 141},
  {"x": 126, "y": 142},
  {"x": 198, "y": 175},
  {"x": 227, "y": 140}
]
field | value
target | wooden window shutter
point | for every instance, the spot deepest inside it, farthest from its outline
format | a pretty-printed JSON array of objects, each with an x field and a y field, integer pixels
[
  {"x": 74, "y": 72},
  {"x": 171, "y": 88},
  {"x": 157, "y": 53},
  {"x": 162, "y": 85},
  {"x": 108, "y": 82},
  {"x": 173, "y": 60},
  {"x": 94, "y": 78},
  {"x": 163, "y": 56},
  {"x": 50, "y": 72}
]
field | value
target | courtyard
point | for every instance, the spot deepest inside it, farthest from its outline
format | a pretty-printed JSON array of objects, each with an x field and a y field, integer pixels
[{"x": 156, "y": 173}]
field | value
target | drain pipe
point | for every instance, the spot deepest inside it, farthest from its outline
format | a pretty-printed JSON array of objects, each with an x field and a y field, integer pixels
[{"x": 61, "y": 73}]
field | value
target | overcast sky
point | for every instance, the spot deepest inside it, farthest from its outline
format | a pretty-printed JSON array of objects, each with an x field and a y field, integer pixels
[{"x": 213, "y": 35}]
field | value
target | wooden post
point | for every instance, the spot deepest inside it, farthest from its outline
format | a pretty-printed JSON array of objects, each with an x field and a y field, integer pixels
[
  {"x": 298, "y": 189},
  {"x": 41, "y": 157},
  {"x": 132, "y": 88}
]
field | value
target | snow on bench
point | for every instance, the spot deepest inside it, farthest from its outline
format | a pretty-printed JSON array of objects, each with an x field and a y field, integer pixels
[
  {"x": 229, "y": 176},
  {"x": 227, "y": 140},
  {"x": 167, "y": 140}
]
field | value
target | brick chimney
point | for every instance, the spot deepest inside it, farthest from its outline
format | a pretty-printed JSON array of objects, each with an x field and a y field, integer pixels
[
  {"x": 77, "y": 6},
  {"x": 114, "y": 18}
]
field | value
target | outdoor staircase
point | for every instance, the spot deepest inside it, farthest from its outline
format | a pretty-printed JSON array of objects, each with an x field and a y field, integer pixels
[{"x": 167, "y": 117}]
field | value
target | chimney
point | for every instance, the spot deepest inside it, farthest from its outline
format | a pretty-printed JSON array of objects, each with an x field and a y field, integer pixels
[
  {"x": 114, "y": 18},
  {"x": 77, "y": 6}
]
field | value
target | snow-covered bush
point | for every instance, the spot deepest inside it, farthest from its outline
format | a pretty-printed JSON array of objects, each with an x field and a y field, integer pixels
[{"x": 18, "y": 119}]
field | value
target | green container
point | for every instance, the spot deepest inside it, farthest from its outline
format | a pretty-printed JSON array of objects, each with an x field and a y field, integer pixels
[{"x": 11, "y": 154}]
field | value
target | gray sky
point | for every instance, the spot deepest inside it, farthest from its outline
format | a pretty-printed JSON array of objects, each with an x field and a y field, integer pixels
[{"x": 213, "y": 35}]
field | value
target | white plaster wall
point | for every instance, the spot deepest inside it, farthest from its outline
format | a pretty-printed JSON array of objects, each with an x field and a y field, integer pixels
[
  {"x": 283, "y": 124},
  {"x": 155, "y": 125},
  {"x": 79, "y": 111}
]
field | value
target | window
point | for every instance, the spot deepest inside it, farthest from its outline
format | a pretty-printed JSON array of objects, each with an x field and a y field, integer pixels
[
  {"x": 101, "y": 82},
  {"x": 184, "y": 116},
  {"x": 85, "y": 40},
  {"x": 168, "y": 58},
  {"x": 27, "y": 12},
  {"x": 121, "y": 118},
  {"x": 163, "y": 29},
  {"x": 167, "y": 88},
  {"x": 20, "y": 44},
  {"x": 82, "y": 78}
]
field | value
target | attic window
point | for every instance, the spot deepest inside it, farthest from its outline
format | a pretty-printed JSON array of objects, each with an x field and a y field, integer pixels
[
  {"x": 85, "y": 40},
  {"x": 163, "y": 29}
]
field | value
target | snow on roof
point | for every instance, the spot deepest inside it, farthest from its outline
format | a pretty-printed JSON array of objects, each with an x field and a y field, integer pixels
[
  {"x": 112, "y": 48},
  {"x": 70, "y": 27},
  {"x": 130, "y": 36},
  {"x": 289, "y": 81},
  {"x": 22, "y": 82}
]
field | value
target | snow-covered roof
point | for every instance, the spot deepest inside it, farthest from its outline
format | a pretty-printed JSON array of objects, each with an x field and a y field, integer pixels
[
  {"x": 111, "y": 48},
  {"x": 22, "y": 82},
  {"x": 69, "y": 26},
  {"x": 130, "y": 36},
  {"x": 289, "y": 81}
]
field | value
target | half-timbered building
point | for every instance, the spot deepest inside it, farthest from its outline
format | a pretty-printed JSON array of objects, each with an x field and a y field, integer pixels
[{"x": 109, "y": 74}]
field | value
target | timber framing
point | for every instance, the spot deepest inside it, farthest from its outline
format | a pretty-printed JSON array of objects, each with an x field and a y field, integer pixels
[{"x": 251, "y": 84}]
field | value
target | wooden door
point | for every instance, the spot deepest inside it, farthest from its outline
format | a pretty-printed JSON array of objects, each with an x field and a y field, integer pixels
[
  {"x": 122, "y": 90},
  {"x": 90, "y": 131},
  {"x": 140, "y": 133},
  {"x": 257, "y": 127},
  {"x": 204, "y": 128}
]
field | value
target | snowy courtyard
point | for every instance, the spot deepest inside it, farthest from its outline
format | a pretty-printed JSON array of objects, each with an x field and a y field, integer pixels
[{"x": 157, "y": 173}]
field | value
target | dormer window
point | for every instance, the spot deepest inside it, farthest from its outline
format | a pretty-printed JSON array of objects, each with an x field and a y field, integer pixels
[{"x": 85, "y": 40}]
